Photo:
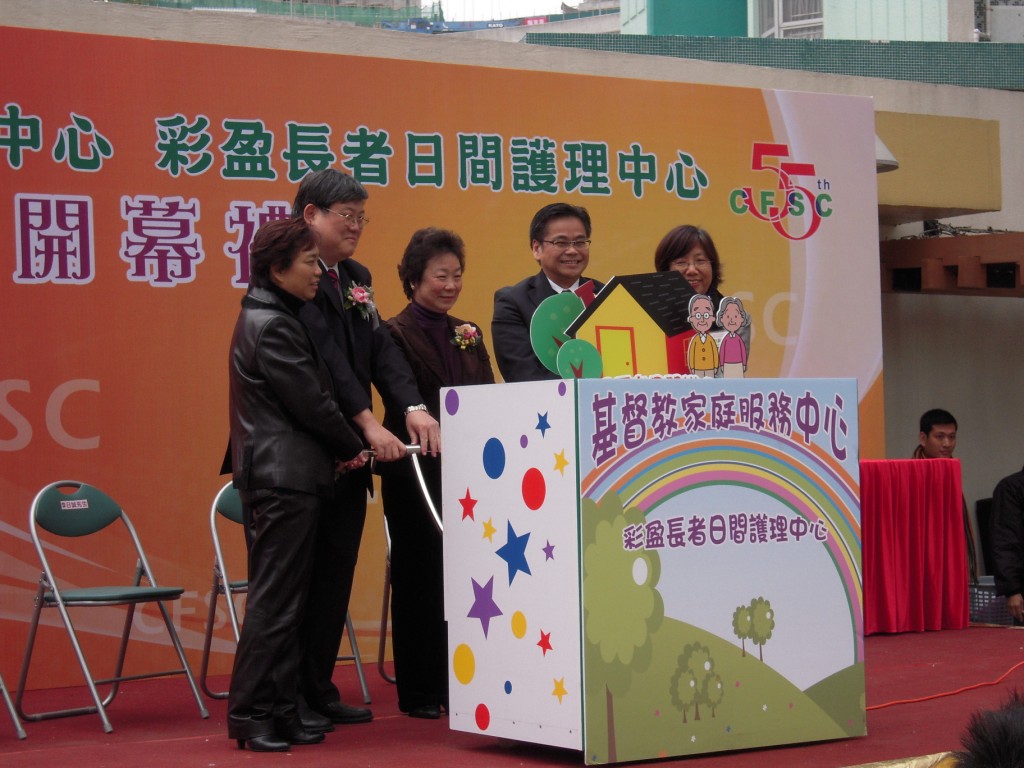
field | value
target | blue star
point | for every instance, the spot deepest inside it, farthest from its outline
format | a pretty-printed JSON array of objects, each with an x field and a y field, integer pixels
[
  {"x": 484, "y": 607},
  {"x": 542, "y": 423},
  {"x": 513, "y": 552}
]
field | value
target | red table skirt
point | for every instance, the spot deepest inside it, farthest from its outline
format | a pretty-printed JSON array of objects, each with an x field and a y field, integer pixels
[{"x": 914, "y": 555}]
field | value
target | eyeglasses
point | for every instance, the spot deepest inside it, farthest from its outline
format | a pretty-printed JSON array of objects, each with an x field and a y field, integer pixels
[
  {"x": 564, "y": 245},
  {"x": 359, "y": 221},
  {"x": 698, "y": 263}
]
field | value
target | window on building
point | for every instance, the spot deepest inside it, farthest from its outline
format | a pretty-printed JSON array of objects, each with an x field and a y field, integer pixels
[
  {"x": 766, "y": 17},
  {"x": 790, "y": 18}
]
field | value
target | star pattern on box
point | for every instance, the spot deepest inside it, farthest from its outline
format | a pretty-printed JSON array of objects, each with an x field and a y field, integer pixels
[
  {"x": 484, "y": 608},
  {"x": 542, "y": 424},
  {"x": 545, "y": 642},
  {"x": 513, "y": 552},
  {"x": 559, "y": 690},
  {"x": 468, "y": 505},
  {"x": 561, "y": 463},
  {"x": 516, "y": 460}
]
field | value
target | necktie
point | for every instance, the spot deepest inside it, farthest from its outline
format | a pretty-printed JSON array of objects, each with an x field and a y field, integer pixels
[{"x": 333, "y": 277}]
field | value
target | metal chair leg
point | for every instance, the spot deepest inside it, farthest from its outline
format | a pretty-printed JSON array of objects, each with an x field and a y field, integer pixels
[
  {"x": 97, "y": 708},
  {"x": 356, "y": 658},
  {"x": 10, "y": 708},
  {"x": 179, "y": 649},
  {"x": 215, "y": 593},
  {"x": 384, "y": 611}
]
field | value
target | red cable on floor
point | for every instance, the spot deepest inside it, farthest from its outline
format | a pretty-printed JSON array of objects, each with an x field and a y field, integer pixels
[{"x": 949, "y": 693}]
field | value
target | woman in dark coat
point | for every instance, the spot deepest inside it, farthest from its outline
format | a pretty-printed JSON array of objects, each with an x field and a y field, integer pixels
[
  {"x": 690, "y": 251},
  {"x": 288, "y": 439},
  {"x": 442, "y": 351}
]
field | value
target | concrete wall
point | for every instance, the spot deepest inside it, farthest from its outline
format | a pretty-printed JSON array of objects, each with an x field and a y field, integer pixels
[
  {"x": 963, "y": 354},
  {"x": 1006, "y": 24}
]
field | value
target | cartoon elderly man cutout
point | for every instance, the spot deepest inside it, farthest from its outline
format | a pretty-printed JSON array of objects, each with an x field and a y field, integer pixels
[{"x": 702, "y": 355}]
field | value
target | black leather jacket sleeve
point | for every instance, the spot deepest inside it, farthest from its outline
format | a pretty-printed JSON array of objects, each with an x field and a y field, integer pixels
[{"x": 1008, "y": 535}]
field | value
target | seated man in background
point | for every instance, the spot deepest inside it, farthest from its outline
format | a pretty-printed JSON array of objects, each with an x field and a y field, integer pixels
[
  {"x": 1008, "y": 542},
  {"x": 937, "y": 440}
]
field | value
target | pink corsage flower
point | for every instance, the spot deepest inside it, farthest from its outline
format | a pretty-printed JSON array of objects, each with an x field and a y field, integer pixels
[
  {"x": 466, "y": 336},
  {"x": 360, "y": 297}
]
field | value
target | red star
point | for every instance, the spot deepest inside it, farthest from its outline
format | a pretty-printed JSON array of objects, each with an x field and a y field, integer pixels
[
  {"x": 468, "y": 503},
  {"x": 545, "y": 642}
]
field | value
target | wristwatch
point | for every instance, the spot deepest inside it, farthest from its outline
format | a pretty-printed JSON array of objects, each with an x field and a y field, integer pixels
[{"x": 411, "y": 408}]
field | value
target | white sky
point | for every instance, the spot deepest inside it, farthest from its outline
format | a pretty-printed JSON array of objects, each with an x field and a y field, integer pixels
[{"x": 479, "y": 10}]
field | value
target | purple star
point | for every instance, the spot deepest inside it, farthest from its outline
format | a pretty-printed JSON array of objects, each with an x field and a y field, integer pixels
[
  {"x": 484, "y": 607},
  {"x": 549, "y": 551}
]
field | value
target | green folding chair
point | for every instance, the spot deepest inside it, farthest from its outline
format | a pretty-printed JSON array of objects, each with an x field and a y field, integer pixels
[
  {"x": 227, "y": 506},
  {"x": 71, "y": 509}
]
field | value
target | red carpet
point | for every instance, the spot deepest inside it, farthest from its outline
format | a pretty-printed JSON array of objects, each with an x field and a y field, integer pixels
[{"x": 157, "y": 724}]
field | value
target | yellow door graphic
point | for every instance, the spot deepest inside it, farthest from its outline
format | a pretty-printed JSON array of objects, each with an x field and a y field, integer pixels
[{"x": 618, "y": 351}]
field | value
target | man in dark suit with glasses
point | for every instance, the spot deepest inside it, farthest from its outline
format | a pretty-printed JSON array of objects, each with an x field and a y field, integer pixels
[
  {"x": 560, "y": 242},
  {"x": 359, "y": 351}
]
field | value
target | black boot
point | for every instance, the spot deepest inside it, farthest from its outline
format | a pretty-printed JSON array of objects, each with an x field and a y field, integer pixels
[{"x": 257, "y": 735}]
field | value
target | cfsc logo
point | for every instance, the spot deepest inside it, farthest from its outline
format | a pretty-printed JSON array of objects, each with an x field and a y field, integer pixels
[{"x": 794, "y": 210}]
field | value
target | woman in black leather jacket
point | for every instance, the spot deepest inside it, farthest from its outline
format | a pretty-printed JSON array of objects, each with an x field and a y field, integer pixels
[{"x": 287, "y": 437}]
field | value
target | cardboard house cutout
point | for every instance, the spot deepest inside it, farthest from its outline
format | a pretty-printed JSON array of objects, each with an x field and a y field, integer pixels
[{"x": 638, "y": 324}]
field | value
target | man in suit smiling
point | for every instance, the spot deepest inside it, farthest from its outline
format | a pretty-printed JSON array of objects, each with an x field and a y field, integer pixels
[
  {"x": 560, "y": 241},
  {"x": 359, "y": 351}
]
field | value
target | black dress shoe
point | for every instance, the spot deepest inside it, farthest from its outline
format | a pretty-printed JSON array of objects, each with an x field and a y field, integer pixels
[
  {"x": 302, "y": 737},
  {"x": 426, "y": 712},
  {"x": 343, "y": 714},
  {"x": 314, "y": 722},
  {"x": 291, "y": 729},
  {"x": 265, "y": 743}
]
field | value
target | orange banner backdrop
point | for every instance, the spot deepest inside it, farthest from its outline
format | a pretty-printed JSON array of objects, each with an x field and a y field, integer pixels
[{"x": 134, "y": 172}]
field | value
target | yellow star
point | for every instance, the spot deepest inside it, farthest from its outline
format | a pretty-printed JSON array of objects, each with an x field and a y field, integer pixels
[
  {"x": 560, "y": 689},
  {"x": 561, "y": 462},
  {"x": 489, "y": 530}
]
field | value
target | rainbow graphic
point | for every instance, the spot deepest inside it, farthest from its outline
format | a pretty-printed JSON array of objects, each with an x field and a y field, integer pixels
[{"x": 804, "y": 479}]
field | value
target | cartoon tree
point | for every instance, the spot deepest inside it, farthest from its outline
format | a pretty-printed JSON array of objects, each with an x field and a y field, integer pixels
[
  {"x": 621, "y": 605},
  {"x": 762, "y": 623},
  {"x": 741, "y": 625},
  {"x": 548, "y": 324},
  {"x": 715, "y": 692},
  {"x": 689, "y": 684},
  {"x": 683, "y": 689}
]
